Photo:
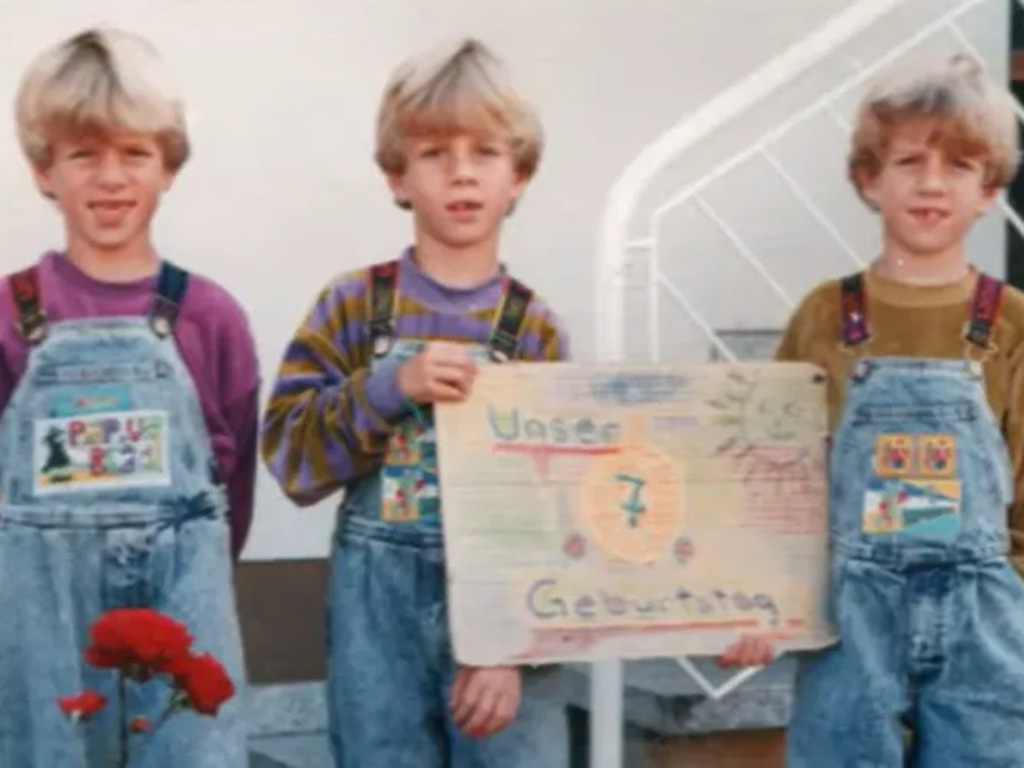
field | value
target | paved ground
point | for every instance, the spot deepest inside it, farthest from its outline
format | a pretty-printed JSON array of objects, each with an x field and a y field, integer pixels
[
  {"x": 759, "y": 749},
  {"x": 307, "y": 751}
]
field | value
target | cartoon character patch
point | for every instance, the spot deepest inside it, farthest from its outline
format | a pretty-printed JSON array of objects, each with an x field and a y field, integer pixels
[
  {"x": 937, "y": 455},
  {"x": 409, "y": 486},
  {"x": 409, "y": 479},
  {"x": 894, "y": 455},
  {"x": 118, "y": 449}
]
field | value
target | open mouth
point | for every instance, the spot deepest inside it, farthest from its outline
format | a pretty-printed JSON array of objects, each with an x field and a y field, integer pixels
[
  {"x": 110, "y": 213},
  {"x": 929, "y": 216}
]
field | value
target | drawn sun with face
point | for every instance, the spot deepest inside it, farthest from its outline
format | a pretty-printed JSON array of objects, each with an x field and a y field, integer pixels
[{"x": 760, "y": 426}]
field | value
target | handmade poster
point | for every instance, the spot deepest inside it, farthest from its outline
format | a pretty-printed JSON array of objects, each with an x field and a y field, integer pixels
[{"x": 631, "y": 511}]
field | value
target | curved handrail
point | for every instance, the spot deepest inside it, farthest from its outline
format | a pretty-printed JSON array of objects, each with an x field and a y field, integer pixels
[{"x": 748, "y": 92}]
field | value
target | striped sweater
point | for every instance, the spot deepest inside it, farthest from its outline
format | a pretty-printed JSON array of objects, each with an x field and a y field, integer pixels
[{"x": 328, "y": 418}]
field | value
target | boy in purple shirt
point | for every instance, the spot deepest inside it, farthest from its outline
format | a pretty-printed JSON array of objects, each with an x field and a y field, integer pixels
[
  {"x": 128, "y": 412},
  {"x": 351, "y": 410}
]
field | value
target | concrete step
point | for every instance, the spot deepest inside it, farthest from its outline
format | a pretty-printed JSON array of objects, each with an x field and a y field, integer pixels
[{"x": 308, "y": 750}]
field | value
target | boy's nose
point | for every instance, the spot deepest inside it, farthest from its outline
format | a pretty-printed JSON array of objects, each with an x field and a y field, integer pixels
[
  {"x": 110, "y": 172},
  {"x": 462, "y": 168},
  {"x": 933, "y": 176}
]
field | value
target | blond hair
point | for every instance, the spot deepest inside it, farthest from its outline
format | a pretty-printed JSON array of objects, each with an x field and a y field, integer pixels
[
  {"x": 967, "y": 114},
  {"x": 97, "y": 82},
  {"x": 454, "y": 89}
]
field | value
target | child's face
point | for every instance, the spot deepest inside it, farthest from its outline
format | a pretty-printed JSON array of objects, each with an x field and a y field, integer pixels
[
  {"x": 108, "y": 187},
  {"x": 460, "y": 187},
  {"x": 928, "y": 199}
]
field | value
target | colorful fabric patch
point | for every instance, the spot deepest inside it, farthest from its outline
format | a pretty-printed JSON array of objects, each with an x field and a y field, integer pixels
[
  {"x": 917, "y": 508},
  {"x": 409, "y": 486},
  {"x": 121, "y": 449},
  {"x": 409, "y": 481},
  {"x": 404, "y": 448},
  {"x": 937, "y": 455},
  {"x": 95, "y": 399},
  {"x": 894, "y": 455}
]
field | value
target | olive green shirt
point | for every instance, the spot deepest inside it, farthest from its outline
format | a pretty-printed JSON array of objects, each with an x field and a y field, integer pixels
[{"x": 911, "y": 321}]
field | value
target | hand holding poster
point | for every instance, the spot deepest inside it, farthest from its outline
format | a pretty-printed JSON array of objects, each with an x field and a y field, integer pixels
[{"x": 634, "y": 511}]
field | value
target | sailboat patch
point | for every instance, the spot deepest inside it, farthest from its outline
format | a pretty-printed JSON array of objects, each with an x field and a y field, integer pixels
[{"x": 918, "y": 508}]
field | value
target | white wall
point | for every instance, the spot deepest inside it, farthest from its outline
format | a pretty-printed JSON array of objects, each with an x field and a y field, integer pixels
[{"x": 282, "y": 192}]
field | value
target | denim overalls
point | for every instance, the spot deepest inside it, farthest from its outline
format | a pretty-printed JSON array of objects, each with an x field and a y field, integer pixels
[
  {"x": 929, "y": 609},
  {"x": 109, "y": 499},
  {"x": 391, "y": 667}
]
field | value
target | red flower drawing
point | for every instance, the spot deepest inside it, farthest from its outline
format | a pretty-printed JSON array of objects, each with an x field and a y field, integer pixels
[{"x": 575, "y": 546}]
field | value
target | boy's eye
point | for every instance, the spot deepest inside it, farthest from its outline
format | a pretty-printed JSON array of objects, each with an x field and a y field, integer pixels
[
  {"x": 489, "y": 149},
  {"x": 908, "y": 160},
  {"x": 430, "y": 151},
  {"x": 138, "y": 151}
]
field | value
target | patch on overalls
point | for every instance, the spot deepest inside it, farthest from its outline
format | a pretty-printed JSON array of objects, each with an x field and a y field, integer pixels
[
  {"x": 406, "y": 495},
  {"x": 100, "y": 398},
  {"x": 409, "y": 483},
  {"x": 937, "y": 455},
  {"x": 913, "y": 490},
  {"x": 915, "y": 508},
  {"x": 87, "y": 452},
  {"x": 894, "y": 455},
  {"x": 409, "y": 487}
]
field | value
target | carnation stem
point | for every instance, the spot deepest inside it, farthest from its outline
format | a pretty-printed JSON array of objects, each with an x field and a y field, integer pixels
[
  {"x": 122, "y": 695},
  {"x": 164, "y": 717}
]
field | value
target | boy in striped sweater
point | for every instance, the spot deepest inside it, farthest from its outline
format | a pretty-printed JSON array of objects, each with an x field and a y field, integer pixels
[{"x": 351, "y": 411}]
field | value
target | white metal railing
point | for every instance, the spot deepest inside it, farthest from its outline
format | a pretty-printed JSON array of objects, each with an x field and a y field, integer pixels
[{"x": 618, "y": 248}]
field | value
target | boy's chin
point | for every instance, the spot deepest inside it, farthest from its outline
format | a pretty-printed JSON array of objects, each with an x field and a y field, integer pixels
[
  {"x": 112, "y": 241},
  {"x": 467, "y": 240}
]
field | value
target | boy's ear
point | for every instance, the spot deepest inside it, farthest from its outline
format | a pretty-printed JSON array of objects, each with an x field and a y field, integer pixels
[
  {"x": 397, "y": 185},
  {"x": 169, "y": 178},
  {"x": 989, "y": 195},
  {"x": 866, "y": 184},
  {"x": 44, "y": 181},
  {"x": 521, "y": 182}
]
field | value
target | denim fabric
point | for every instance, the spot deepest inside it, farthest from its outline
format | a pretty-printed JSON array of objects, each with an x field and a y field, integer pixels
[
  {"x": 392, "y": 667},
  {"x": 390, "y": 659},
  {"x": 929, "y": 610},
  {"x": 109, "y": 500}
]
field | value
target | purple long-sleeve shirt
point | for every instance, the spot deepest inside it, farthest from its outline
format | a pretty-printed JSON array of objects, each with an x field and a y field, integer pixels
[{"x": 215, "y": 342}]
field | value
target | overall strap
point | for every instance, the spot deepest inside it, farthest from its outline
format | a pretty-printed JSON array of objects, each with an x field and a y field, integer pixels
[
  {"x": 985, "y": 306},
  {"x": 28, "y": 305},
  {"x": 383, "y": 297},
  {"x": 509, "y": 319},
  {"x": 171, "y": 285},
  {"x": 853, "y": 310}
]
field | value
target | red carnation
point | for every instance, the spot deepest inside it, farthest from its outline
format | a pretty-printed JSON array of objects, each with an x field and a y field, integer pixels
[
  {"x": 139, "y": 725},
  {"x": 204, "y": 682},
  {"x": 137, "y": 641},
  {"x": 85, "y": 704}
]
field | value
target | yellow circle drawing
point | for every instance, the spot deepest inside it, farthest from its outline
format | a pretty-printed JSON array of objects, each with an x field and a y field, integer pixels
[{"x": 632, "y": 503}]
